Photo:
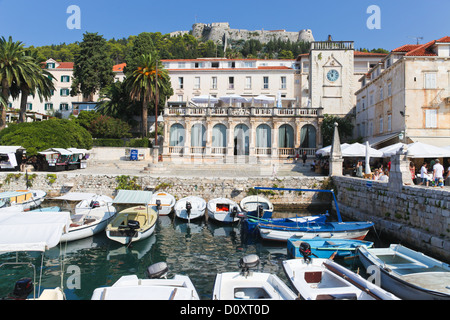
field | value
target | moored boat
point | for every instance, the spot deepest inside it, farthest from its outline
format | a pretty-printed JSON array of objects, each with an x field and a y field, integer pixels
[
  {"x": 92, "y": 214},
  {"x": 21, "y": 200},
  {"x": 163, "y": 203},
  {"x": 407, "y": 273},
  {"x": 223, "y": 210},
  {"x": 337, "y": 230},
  {"x": 132, "y": 224},
  {"x": 249, "y": 285},
  {"x": 325, "y": 248},
  {"x": 156, "y": 287},
  {"x": 257, "y": 206},
  {"x": 190, "y": 208},
  {"x": 251, "y": 223},
  {"x": 324, "y": 279}
]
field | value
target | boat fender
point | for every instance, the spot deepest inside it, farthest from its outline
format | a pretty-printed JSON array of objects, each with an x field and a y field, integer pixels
[
  {"x": 157, "y": 271},
  {"x": 249, "y": 261}
]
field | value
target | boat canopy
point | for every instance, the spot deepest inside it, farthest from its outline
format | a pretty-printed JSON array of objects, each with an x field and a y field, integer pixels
[
  {"x": 61, "y": 151},
  {"x": 13, "y": 194},
  {"x": 133, "y": 197},
  {"x": 76, "y": 196},
  {"x": 28, "y": 231}
]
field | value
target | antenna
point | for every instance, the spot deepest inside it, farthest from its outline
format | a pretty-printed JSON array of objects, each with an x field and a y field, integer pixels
[{"x": 417, "y": 39}]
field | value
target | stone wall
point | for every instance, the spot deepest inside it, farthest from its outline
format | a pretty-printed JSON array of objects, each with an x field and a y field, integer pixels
[
  {"x": 417, "y": 217},
  {"x": 208, "y": 188}
]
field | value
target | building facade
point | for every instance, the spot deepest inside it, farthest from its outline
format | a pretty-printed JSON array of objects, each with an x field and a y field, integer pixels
[{"x": 406, "y": 97}]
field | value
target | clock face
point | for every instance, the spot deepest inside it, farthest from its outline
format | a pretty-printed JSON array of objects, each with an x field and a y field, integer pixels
[{"x": 332, "y": 75}]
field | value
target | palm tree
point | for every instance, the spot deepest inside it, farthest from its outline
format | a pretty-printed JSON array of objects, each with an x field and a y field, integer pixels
[
  {"x": 147, "y": 84},
  {"x": 34, "y": 80},
  {"x": 13, "y": 63}
]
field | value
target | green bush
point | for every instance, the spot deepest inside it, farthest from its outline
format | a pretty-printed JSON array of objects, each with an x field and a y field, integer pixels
[
  {"x": 40, "y": 135},
  {"x": 109, "y": 143}
]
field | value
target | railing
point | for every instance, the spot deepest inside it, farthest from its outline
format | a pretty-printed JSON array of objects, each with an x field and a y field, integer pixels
[
  {"x": 332, "y": 45},
  {"x": 243, "y": 111},
  {"x": 198, "y": 150},
  {"x": 176, "y": 150},
  {"x": 218, "y": 150},
  {"x": 286, "y": 151},
  {"x": 263, "y": 151}
]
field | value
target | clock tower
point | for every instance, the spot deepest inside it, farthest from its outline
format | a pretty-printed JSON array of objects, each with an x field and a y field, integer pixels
[{"x": 331, "y": 76}]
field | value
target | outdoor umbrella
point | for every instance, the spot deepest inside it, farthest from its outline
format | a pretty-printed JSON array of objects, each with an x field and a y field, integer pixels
[
  {"x": 263, "y": 99},
  {"x": 205, "y": 99},
  {"x": 325, "y": 151},
  {"x": 359, "y": 150},
  {"x": 367, "y": 159},
  {"x": 417, "y": 150},
  {"x": 233, "y": 98}
]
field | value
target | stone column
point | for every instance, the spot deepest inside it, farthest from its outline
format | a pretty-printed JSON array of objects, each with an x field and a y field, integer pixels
[
  {"x": 399, "y": 174},
  {"x": 336, "y": 159}
]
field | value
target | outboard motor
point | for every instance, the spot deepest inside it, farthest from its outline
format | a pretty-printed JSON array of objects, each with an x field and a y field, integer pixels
[
  {"x": 22, "y": 289},
  {"x": 305, "y": 251},
  {"x": 233, "y": 212},
  {"x": 260, "y": 211},
  {"x": 158, "y": 204},
  {"x": 157, "y": 271},
  {"x": 133, "y": 225},
  {"x": 188, "y": 208},
  {"x": 248, "y": 262}
]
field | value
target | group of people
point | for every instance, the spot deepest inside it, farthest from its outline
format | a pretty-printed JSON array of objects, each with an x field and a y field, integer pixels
[
  {"x": 380, "y": 173},
  {"x": 437, "y": 176}
]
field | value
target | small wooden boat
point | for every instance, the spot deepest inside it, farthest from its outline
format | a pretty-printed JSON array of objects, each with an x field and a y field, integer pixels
[
  {"x": 132, "y": 224},
  {"x": 157, "y": 287},
  {"x": 251, "y": 223},
  {"x": 223, "y": 210},
  {"x": 248, "y": 285},
  {"x": 21, "y": 200},
  {"x": 325, "y": 248},
  {"x": 337, "y": 230},
  {"x": 163, "y": 203},
  {"x": 92, "y": 214},
  {"x": 190, "y": 208},
  {"x": 257, "y": 206},
  {"x": 324, "y": 279},
  {"x": 407, "y": 273}
]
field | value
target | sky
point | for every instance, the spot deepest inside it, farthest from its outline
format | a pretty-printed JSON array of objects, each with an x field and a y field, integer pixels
[{"x": 397, "y": 22}]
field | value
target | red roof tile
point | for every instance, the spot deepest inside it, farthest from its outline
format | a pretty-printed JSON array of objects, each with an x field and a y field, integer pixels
[
  {"x": 65, "y": 65},
  {"x": 423, "y": 50},
  {"x": 119, "y": 67}
]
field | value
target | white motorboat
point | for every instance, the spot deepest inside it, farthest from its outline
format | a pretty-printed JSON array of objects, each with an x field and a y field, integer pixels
[
  {"x": 92, "y": 214},
  {"x": 252, "y": 204},
  {"x": 163, "y": 203},
  {"x": 223, "y": 210},
  {"x": 249, "y": 285},
  {"x": 21, "y": 200},
  {"x": 324, "y": 279},
  {"x": 32, "y": 232},
  {"x": 190, "y": 208},
  {"x": 157, "y": 287},
  {"x": 407, "y": 273},
  {"x": 132, "y": 224}
]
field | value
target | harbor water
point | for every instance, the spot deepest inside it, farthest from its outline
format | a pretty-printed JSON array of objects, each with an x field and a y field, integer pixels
[{"x": 199, "y": 249}]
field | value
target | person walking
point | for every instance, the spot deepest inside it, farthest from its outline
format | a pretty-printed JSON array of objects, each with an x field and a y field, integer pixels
[
  {"x": 304, "y": 157},
  {"x": 438, "y": 174}
]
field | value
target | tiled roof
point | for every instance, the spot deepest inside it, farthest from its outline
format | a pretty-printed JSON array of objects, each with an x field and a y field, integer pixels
[
  {"x": 119, "y": 67},
  {"x": 65, "y": 65},
  {"x": 423, "y": 50},
  {"x": 406, "y": 48}
]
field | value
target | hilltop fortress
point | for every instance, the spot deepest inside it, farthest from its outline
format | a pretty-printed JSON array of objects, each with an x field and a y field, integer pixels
[{"x": 221, "y": 31}]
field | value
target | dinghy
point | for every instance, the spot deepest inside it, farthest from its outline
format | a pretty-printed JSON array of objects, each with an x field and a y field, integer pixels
[
  {"x": 407, "y": 273},
  {"x": 282, "y": 231},
  {"x": 249, "y": 285},
  {"x": 223, "y": 210},
  {"x": 162, "y": 203},
  {"x": 132, "y": 224},
  {"x": 190, "y": 208},
  {"x": 92, "y": 214},
  {"x": 324, "y": 279},
  {"x": 157, "y": 287},
  {"x": 257, "y": 206},
  {"x": 21, "y": 200},
  {"x": 252, "y": 223},
  {"x": 325, "y": 248}
]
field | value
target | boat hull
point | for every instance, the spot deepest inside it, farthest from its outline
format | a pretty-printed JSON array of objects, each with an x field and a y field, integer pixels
[
  {"x": 337, "y": 230},
  {"x": 325, "y": 248},
  {"x": 397, "y": 284},
  {"x": 197, "y": 211},
  {"x": 138, "y": 236},
  {"x": 81, "y": 232},
  {"x": 167, "y": 203}
]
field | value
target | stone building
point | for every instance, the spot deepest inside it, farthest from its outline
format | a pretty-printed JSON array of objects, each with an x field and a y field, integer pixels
[{"x": 406, "y": 97}]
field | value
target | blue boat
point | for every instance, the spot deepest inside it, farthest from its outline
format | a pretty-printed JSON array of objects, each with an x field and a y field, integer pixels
[
  {"x": 325, "y": 248},
  {"x": 251, "y": 222}
]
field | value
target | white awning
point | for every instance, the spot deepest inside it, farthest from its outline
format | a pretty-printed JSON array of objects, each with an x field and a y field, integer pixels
[
  {"x": 32, "y": 231},
  {"x": 9, "y": 149},
  {"x": 76, "y": 196},
  {"x": 133, "y": 197}
]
